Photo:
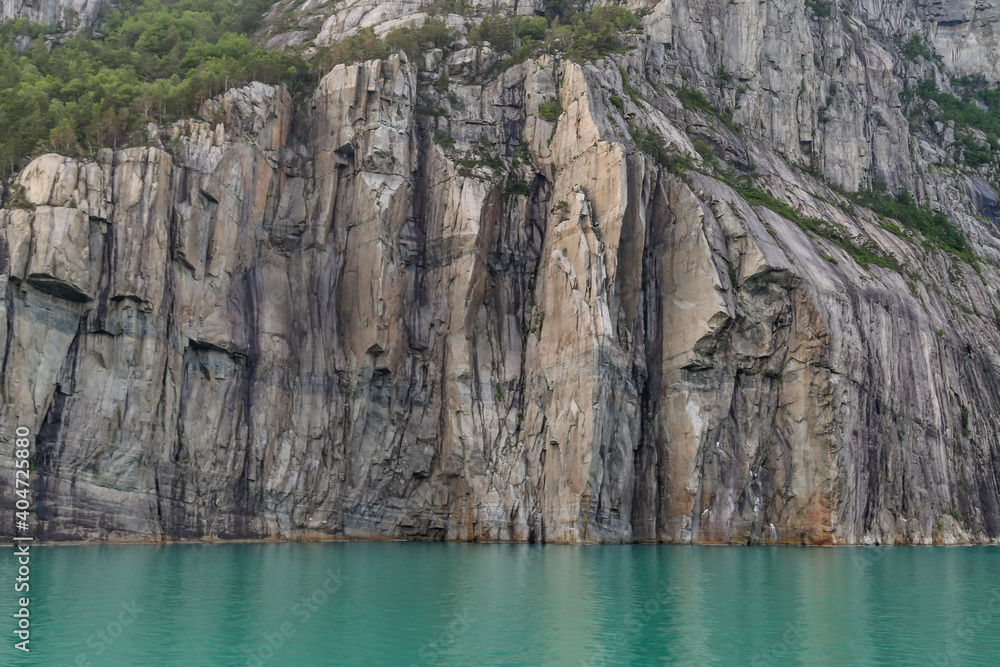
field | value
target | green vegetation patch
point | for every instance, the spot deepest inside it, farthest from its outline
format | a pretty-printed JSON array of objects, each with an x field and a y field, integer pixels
[
  {"x": 580, "y": 35},
  {"x": 820, "y": 8},
  {"x": 591, "y": 35},
  {"x": 695, "y": 100},
  {"x": 159, "y": 60},
  {"x": 653, "y": 145},
  {"x": 629, "y": 88},
  {"x": 444, "y": 139},
  {"x": 364, "y": 45},
  {"x": 934, "y": 226},
  {"x": 915, "y": 48},
  {"x": 517, "y": 188},
  {"x": 156, "y": 60},
  {"x": 866, "y": 253},
  {"x": 550, "y": 110},
  {"x": 482, "y": 161},
  {"x": 967, "y": 111}
]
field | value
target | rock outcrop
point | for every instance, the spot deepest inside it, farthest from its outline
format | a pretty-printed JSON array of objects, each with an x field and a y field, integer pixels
[
  {"x": 357, "y": 318},
  {"x": 66, "y": 14}
]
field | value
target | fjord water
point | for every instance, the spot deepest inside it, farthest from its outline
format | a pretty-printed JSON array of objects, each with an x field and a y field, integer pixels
[{"x": 475, "y": 604}]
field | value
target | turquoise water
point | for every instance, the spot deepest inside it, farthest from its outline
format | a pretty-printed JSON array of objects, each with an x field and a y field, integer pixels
[{"x": 461, "y": 604}]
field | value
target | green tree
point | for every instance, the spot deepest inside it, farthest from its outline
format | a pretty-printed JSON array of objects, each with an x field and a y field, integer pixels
[{"x": 63, "y": 138}]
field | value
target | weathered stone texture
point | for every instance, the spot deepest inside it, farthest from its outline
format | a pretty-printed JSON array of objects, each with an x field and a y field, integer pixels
[{"x": 347, "y": 318}]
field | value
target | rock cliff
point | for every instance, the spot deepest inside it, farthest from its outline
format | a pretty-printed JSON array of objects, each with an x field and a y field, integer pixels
[
  {"x": 458, "y": 298},
  {"x": 67, "y": 14}
]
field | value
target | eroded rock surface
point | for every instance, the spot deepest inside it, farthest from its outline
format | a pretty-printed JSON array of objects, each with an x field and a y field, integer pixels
[
  {"x": 355, "y": 318},
  {"x": 68, "y": 14}
]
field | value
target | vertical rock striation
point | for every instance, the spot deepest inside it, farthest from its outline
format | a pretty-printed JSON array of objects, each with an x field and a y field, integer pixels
[
  {"x": 355, "y": 318},
  {"x": 68, "y": 14}
]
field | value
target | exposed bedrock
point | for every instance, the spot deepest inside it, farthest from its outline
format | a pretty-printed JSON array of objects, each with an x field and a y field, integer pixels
[{"x": 351, "y": 318}]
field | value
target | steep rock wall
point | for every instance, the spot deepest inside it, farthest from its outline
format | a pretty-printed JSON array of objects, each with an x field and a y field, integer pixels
[
  {"x": 68, "y": 14},
  {"x": 354, "y": 318}
]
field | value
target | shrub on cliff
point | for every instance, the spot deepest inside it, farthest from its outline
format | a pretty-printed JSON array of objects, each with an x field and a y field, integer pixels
[
  {"x": 933, "y": 225},
  {"x": 598, "y": 33},
  {"x": 580, "y": 36},
  {"x": 364, "y": 45},
  {"x": 977, "y": 105},
  {"x": 361, "y": 46}
]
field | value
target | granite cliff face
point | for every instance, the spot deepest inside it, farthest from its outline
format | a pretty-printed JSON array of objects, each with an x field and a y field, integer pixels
[
  {"x": 349, "y": 316},
  {"x": 68, "y": 14}
]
